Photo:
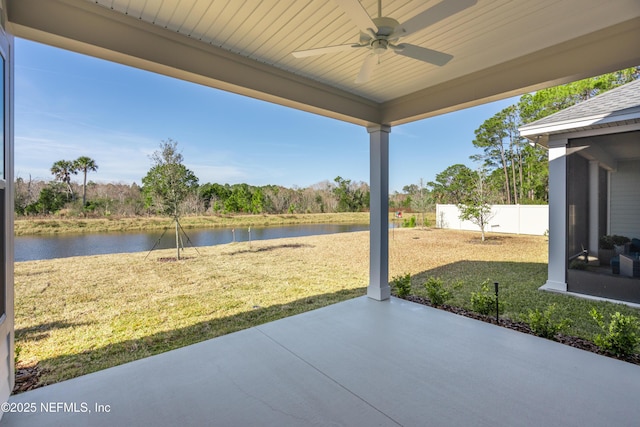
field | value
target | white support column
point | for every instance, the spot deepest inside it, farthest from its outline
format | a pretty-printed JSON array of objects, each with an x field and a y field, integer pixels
[
  {"x": 594, "y": 206},
  {"x": 379, "y": 213},
  {"x": 557, "y": 269}
]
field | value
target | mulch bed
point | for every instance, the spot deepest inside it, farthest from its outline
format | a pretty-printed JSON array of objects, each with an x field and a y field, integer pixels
[
  {"x": 27, "y": 378},
  {"x": 572, "y": 341}
]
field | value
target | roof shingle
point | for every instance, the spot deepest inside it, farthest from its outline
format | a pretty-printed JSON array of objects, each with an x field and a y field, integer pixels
[{"x": 620, "y": 101}]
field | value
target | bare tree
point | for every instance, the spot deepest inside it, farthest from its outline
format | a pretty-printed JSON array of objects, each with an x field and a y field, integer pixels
[
  {"x": 477, "y": 207},
  {"x": 421, "y": 200},
  {"x": 168, "y": 183}
]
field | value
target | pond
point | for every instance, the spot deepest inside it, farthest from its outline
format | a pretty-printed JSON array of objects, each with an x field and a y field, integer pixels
[{"x": 28, "y": 248}]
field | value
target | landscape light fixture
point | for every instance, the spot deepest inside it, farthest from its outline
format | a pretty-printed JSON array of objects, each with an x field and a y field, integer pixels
[{"x": 495, "y": 284}]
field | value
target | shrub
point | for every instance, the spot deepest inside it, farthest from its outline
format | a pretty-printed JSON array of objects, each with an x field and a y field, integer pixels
[
  {"x": 578, "y": 264},
  {"x": 620, "y": 337},
  {"x": 606, "y": 242},
  {"x": 609, "y": 242},
  {"x": 436, "y": 292},
  {"x": 402, "y": 285},
  {"x": 542, "y": 323},
  {"x": 484, "y": 301},
  {"x": 409, "y": 223},
  {"x": 620, "y": 240}
]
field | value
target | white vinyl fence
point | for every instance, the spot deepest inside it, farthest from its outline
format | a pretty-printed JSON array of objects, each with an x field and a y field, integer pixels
[{"x": 514, "y": 219}]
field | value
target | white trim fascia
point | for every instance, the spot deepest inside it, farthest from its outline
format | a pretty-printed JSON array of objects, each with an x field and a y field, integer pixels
[
  {"x": 548, "y": 140},
  {"x": 559, "y": 127},
  {"x": 610, "y": 130}
]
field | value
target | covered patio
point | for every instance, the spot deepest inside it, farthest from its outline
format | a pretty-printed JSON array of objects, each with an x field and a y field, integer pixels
[
  {"x": 356, "y": 363},
  {"x": 373, "y": 360}
]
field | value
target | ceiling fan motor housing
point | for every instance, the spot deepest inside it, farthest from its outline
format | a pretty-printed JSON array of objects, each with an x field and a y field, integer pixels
[
  {"x": 386, "y": 27},
  {"x": 380, "y": 35}
]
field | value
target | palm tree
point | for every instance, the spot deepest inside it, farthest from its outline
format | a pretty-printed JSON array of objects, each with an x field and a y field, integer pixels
[
  {"x": 62, "y": 171},
  {"x": 85, "y": 164}
]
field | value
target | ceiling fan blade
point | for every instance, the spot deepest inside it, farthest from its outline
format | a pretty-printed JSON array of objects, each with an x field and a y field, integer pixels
[
  {"x": 358, "y": 15},
  {"x": 434, "y": 14},
  {"x": 423, "y": 54},
  {"x": 323, "y": 50},
  {"x": 367, "y": 68}
]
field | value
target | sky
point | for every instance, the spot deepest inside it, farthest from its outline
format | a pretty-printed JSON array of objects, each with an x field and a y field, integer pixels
[{"x": 69, "y": 105}]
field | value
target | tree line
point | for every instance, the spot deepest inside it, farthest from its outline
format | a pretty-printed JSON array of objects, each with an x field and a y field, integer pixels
[
  {"x": 507, "y": 170},
  {"x": 61, "y": 196}
]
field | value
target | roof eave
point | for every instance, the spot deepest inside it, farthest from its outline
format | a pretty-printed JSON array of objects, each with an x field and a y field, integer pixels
[{"x": 534, "y": 132}]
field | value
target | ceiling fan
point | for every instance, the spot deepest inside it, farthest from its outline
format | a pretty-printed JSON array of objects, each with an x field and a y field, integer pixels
[{"x": 381, "y": 34}]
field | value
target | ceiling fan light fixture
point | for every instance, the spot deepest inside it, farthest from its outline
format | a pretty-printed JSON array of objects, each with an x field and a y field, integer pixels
[
  {"x": 379, "y": 46},
  {"x": 382, "y": 34}
]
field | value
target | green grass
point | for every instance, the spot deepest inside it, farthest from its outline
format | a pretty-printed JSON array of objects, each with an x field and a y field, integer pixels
[{"x": 518, "y": 289}]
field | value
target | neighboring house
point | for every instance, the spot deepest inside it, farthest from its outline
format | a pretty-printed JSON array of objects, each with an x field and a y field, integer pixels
[{"x": 594, "y": 190}]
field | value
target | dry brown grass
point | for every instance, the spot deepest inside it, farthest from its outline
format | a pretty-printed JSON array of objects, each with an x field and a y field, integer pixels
[
  {"x": 27, "y": 226},
  {"x": 417, "y": 250},
  {"x": 78, "y": 315}
]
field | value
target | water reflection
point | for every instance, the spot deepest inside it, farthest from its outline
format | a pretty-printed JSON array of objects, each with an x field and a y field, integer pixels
[{"x": 29, "y": 248}]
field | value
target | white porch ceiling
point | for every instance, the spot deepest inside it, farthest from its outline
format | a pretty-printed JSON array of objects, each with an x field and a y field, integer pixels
[{"x": 500, "y": 48}]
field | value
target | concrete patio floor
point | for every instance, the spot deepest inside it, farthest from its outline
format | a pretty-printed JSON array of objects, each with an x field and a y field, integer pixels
[{"x": 356, "y": 363}]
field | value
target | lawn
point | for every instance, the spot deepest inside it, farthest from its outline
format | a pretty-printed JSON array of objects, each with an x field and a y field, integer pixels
[
  {"x": 78, "y": 315},
  {"x": 28, "y": 226}
]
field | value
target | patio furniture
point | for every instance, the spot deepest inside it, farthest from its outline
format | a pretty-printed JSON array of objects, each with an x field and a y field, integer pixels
[
  {"x": 615, "y": 264},
  {"x": 630, "y": 265},
  {"x": 631, "y": 252},
  {"x": 633, "y": 246}
]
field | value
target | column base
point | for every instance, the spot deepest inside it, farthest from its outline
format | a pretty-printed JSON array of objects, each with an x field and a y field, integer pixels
[
  {"x": 554, "y": 286},
  {"x": 379, "y": 293}
]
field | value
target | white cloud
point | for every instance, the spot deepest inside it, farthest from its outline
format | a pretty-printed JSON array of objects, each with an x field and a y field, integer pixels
[{"x": 120, "y": 157}]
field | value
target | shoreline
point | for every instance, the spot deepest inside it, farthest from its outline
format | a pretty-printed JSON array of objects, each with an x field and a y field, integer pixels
[{"x": 43, "y": 226}]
